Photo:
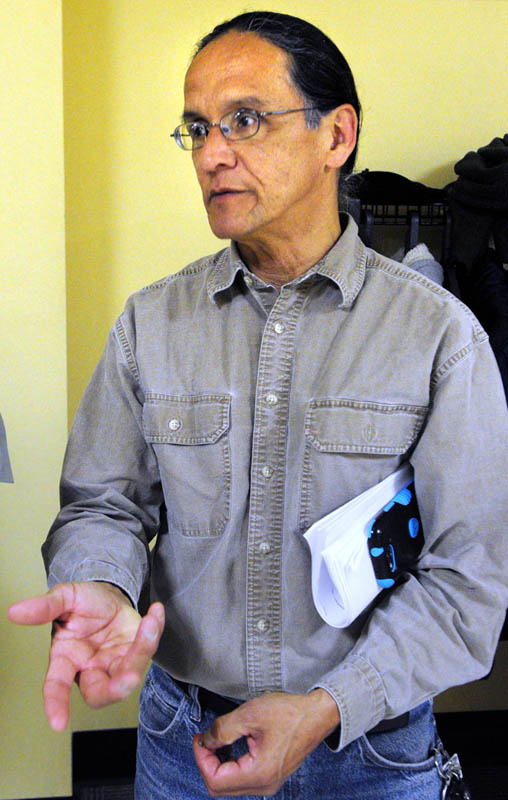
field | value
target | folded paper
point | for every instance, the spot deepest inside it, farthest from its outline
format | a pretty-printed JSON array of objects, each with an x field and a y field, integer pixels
[{"x": 343, "y": 579}]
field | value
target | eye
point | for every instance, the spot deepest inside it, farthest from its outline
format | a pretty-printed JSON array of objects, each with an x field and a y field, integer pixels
[
  {"x": 245, "y": 120},
  {"x": 197, "y": 130}
]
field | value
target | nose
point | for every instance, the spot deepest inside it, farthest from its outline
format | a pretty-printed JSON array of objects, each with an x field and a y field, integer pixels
[{"x": 216, "y": 151}]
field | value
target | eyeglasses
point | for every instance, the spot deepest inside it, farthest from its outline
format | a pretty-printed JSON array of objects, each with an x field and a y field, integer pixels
[{"x": 240, "y": 124}]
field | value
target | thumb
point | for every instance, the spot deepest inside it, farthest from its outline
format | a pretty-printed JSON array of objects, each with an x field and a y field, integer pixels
[
  {"x": 32, "y": 611},
  {"x": 42, "y": 608},
  {"x": 224, "y": 730}
]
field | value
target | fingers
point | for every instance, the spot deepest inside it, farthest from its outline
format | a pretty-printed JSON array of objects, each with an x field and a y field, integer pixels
[
  {"x": 56, "y": 691},
  {"x": 42, "y": 608},
  {"x": 89, "y": 599},
  {"x": 231, "y": 778},
  {"x": 97, "y": 683},
  {"x": 93, "y": 653},
  {"x": 223, "y": 776},
  {"x": 98, "y": 689},
  {"x": 224, "y": 731},
  {"x": 281, "y": 730},
  {"x": 130, "y": 669}
]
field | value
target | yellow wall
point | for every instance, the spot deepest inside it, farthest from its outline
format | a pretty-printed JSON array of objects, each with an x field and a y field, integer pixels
[
  {"x": 432, "y": 79},
  {"x": 33, "y": 396}
]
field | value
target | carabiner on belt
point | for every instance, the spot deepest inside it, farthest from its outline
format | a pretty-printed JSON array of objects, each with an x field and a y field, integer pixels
[{"x": 450, "y": 772}]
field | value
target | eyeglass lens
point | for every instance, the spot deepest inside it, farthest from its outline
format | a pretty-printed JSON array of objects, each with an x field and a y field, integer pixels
[{"x": 239, "y": 124}]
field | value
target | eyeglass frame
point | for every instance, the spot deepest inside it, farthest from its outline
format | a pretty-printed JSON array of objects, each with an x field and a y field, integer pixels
[{"x": 259, "y": 115}]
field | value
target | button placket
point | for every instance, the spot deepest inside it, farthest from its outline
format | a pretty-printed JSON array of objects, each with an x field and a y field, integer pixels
[{"x": 264, "y": 611}]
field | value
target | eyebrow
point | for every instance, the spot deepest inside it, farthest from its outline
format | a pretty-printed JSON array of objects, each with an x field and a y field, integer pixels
[{"x": 251, "y": 101}]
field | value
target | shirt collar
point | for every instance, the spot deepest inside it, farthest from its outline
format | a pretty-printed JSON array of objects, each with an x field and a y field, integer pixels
[{"x": 344, "y": 265}]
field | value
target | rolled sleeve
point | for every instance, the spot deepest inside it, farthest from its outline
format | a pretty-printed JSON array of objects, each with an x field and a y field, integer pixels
[
  {"x": 110, "y": 488},
  {"x": 358, "y": 691}
]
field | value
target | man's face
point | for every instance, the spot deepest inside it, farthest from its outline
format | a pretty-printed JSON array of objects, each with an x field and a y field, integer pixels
[{"x": 272, "y": 184}]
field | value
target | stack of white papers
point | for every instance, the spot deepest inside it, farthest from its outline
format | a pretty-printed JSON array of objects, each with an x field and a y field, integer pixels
[{"x": 343, "y": 579}]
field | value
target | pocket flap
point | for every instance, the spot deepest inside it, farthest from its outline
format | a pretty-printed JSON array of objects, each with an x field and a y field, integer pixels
[
  {"x": 187, "y": 419},
  {"x": 355, "y": 426}
]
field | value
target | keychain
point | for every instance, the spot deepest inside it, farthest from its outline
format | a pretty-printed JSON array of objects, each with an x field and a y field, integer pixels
[{"x": 454, "y": 787}]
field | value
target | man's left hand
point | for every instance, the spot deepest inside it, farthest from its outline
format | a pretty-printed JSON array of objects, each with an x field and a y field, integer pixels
[{"x": 281, "y": 730}]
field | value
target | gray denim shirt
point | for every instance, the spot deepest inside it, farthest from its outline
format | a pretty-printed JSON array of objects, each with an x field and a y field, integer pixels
[
  {"x": 226, "y": 417},
  {"x": 5, "y": 464}
]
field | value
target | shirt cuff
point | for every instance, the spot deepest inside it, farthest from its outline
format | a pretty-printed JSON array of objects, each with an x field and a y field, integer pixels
[
  {"x": 358, "y": 691},
  {"x": 92, "y": 570}
]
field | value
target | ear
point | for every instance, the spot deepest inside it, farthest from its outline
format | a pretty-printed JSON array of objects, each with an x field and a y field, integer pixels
[{"x": 343, "y": 124}]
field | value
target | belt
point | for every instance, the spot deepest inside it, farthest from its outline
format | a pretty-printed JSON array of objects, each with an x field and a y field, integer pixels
[
  {"x": 209, "y": 701},
  {"x": 219, "y": 705}
]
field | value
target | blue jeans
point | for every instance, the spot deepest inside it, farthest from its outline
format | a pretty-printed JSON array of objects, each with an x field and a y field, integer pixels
[{"x": 396, "y": 765}]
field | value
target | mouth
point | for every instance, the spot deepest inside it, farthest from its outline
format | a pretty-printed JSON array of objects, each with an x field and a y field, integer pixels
[{"x": 219, "y": 193}]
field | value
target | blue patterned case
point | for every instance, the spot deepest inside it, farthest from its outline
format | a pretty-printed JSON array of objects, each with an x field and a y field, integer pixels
[{"x": 396, "y": 537}]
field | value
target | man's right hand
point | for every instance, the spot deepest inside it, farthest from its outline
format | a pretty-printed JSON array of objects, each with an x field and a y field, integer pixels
[{"x": 98, "y": 639}]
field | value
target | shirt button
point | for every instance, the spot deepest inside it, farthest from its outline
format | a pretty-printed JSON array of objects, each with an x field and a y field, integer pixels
[
  {"x": 272, "y": 399},
  {"x": 264, "y": 548},
  {"x": 278, "y": 327},
  {"x": 267, "y": 471},
  {"x": 248, "y": 280},
  {"x": 262, "y": 625},
  {"x": 174, "y": 424}
]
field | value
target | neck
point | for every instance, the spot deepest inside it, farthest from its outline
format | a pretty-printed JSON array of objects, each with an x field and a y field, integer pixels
[{"x": 279, "y": 260}]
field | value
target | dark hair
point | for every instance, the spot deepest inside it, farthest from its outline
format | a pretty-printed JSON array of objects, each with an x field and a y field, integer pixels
[{"x": 317, "y": 67}]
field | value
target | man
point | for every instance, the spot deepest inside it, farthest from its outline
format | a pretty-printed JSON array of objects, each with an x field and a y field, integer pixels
[{"x": 236, "y": 403}]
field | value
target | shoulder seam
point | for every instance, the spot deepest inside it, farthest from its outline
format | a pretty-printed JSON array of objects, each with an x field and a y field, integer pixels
[
  {"x": 455, "y": 359},
  {"x": 194, "y": 268},
  {"x": 126, "y": 349},
  {"x": 399, "y": 270},
  {"x": 191, "y": 269},
  {"x": 402, "y": 272}
]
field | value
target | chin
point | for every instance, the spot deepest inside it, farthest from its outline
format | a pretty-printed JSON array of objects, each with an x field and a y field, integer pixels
[
  {"x": 222, "y": 230},
  {"x": 222, "y": 233},
  {"x": 233, "y": 221}
]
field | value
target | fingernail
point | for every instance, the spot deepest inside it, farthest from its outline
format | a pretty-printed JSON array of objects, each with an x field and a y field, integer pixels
[{"x": 151, "y": 629}]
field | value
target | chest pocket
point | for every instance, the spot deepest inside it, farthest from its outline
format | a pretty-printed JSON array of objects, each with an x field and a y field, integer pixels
[
  {"x": 350, "y": 445},
  {"x": 189, "y": 435}
]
